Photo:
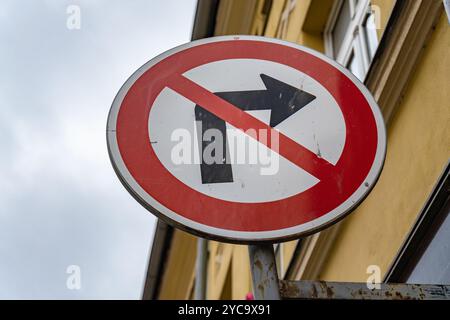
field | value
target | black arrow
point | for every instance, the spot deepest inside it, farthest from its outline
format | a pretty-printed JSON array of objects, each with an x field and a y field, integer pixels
[{"x": 282, "y": 99}]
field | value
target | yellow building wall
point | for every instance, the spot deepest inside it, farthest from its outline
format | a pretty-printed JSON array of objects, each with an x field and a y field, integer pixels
[
  {"x": 274, "y": 18},
  {"x": 296, "y": 19},
  {"x": 240, "y": 270},
  {"x": 295, "y": 30},
  {"x": 178, "y": 277},
  {"x": 219, "y": 269},
  {"x": 418, "y": 150},
  {"x": 235, "y": 17}
]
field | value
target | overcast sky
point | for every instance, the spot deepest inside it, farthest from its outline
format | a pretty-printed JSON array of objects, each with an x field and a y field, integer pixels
[{"x": 61, "y": 203}]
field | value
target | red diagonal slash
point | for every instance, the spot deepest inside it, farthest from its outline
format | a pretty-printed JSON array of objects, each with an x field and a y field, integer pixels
[{"x": 288, "y": 148}]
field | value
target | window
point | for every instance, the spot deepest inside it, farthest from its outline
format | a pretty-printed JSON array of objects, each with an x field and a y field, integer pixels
[
  {"x": 370, "y": 34},
  {"x": 433, "y": 265},
  {"x": 354, "y": 64},
  {"x": 351, "y": 35},
  {"x": 425, "y": 256}
]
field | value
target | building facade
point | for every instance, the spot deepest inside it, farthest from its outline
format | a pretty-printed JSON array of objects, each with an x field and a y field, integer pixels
[{"x": 400, "y": 233}]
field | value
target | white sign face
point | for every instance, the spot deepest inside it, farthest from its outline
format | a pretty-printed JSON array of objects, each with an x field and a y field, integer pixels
[
  {"x": 320, "y": 127},
  {"x": 246, "y": 139}
]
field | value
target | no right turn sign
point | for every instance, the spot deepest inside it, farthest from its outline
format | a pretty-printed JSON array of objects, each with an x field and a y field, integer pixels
[{"x": 246, "y": 139}]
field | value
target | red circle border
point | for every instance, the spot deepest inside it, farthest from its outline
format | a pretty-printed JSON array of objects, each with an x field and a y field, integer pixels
[{"x": 140, "y": 159}]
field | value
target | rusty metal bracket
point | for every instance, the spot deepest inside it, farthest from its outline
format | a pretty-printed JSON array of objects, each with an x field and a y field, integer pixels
[{"x": 360, "y": 291}]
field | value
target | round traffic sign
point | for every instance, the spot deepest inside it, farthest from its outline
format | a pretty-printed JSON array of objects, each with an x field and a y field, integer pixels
[{"x": 246, "y": 139}]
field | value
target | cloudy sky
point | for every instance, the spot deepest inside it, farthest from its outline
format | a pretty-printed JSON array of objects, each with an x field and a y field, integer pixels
[{"x": 60, "y": 202}]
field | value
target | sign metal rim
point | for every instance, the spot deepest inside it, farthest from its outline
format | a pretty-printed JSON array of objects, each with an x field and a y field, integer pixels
[{"x": 232, "y": 236}]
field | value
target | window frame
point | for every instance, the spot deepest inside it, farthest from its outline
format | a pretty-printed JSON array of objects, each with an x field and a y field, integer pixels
[
  {"x": 427, "y": 224},
  {"x": 354, "y": 40}
]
